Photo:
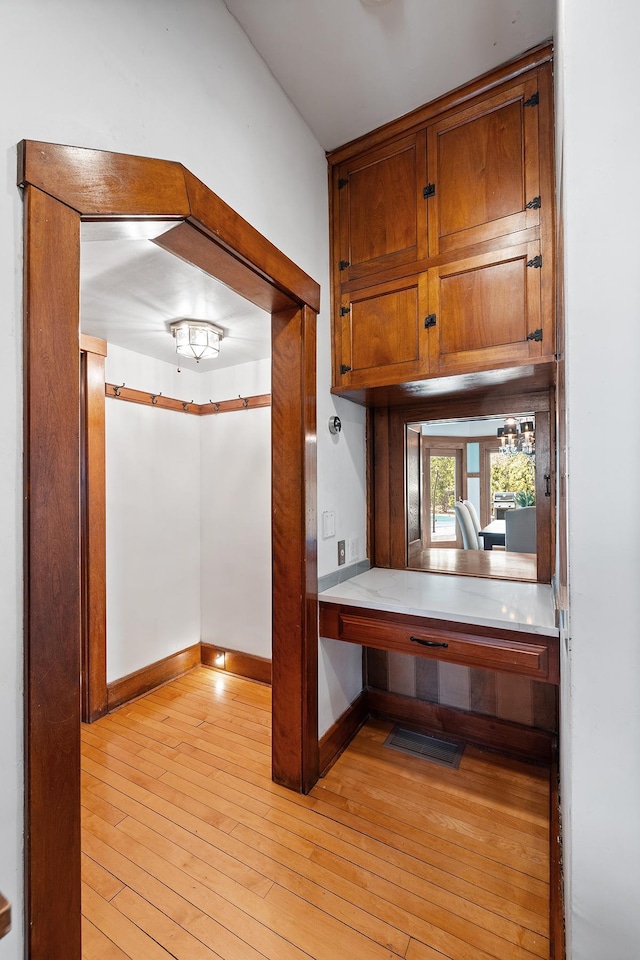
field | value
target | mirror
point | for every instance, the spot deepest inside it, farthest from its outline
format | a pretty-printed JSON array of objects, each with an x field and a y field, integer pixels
[
  {"x": 486, "y": 464},
  {"x": 465, "y": 487}
]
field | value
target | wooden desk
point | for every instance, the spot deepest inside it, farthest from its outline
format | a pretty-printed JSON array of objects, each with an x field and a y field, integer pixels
[
  {"x": 449, "y": 619},
  {"x": 494, "y": 534}
]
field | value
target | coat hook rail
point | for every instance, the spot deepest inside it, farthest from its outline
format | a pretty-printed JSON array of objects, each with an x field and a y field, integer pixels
[
  {"x": 240, "y": 403},
  {"x": 122, "y": 392}
]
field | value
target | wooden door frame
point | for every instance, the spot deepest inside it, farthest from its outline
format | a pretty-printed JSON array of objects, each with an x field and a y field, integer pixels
[
  {"x": 93, "y": 530},
  {"x": 445, "y": 447},
  {"x": 64, "y": 185}
]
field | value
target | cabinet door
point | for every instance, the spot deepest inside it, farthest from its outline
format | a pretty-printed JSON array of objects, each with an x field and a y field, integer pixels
[
  {"x": 383, "y": 336},
  {"x": 381, "y": 210},
  {"x": 483, "y": 165},
  {"x": 488, "y": 312}
]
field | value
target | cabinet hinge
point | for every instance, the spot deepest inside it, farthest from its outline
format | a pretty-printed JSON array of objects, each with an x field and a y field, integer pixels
[
  {"x": 533, "y": 100},
  {"x": 430, "y": 321},
  {"x": 534, "y": 204},
  {"x": 344, "y": 368},
  {"x": 535, "y": 334},
  {"x": 429, "y": 190},
  {"x": 536, "y": 262},
  {"x": 342, "y": 182},
  {"x": 344, "y": 264},
  {"x": 344, "y": 311}
]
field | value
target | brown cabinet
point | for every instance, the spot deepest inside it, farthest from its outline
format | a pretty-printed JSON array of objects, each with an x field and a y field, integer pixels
[
  {"x": 473, "y": 314},
  {"x": 442, "y": 236},
  {"x": 483, "y": 165},
  {"x": 507, "y": 651},
  {"x": 382, "y": 335},
  {"x": 487, "y": 311},
  {"x": 382, "y": 212}
]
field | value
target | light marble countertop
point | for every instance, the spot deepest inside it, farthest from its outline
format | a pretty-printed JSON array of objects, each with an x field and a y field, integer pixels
[{"x": 512, "y": 605}]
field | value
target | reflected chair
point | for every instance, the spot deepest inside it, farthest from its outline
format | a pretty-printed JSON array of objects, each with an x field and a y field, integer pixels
[
  {"x": 520, "y": 530},
  {"x": 469, "y": 536},
  {"x": 474, "y": 515}
]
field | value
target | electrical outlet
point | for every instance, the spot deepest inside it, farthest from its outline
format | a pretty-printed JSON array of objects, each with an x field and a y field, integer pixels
[
  {"x": 353, "y": 549},
  {"x": 341, "y": 552}
]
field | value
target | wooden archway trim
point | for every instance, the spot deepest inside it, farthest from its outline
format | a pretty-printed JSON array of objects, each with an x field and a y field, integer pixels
[{"x": 64, "y": 185}]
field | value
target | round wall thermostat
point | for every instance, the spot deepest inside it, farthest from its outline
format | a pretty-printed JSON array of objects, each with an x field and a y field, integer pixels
[{"x": 334, "y": 425}]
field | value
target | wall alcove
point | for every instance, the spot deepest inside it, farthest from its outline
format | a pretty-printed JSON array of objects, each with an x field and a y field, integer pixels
[{"x": 62, "y": 186}]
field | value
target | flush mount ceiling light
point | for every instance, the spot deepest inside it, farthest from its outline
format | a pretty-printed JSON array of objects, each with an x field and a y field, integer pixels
[{"x": 197, "y": 339}]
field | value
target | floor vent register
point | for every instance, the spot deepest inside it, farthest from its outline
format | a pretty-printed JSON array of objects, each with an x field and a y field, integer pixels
[{"x": 444, "y": 752}]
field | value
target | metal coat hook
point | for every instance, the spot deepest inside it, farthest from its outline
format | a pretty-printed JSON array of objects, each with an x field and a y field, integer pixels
[
  {"x": 154, "y": 397},
  {"x": 116, "y": 390},
  {"x": 185, "y": 404},
  {"x": 245, "y": 401}
]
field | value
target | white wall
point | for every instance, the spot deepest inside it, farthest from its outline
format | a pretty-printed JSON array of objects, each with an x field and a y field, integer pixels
[
  {"x": 188, "y": 515},
  {"x": 173, "y": 80},
  {"x": 153, "y": 520},
  {"x": 601, "y": 714},
  {"x": 236, "y": 515},
  {"x": 236, "y": 530}
]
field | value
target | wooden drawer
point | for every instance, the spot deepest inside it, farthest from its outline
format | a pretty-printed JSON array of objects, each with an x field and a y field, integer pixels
[{"x": 527, "y": 655}]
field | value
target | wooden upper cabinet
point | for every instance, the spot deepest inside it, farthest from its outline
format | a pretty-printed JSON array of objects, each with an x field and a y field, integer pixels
[
  {"x": 486, "y": 312},
  {"x": 443, "y": 235},
  {"x": 483, "y": 170},
  {"x": 381, "y": 210},
  {"x": 382, "y": 336}
]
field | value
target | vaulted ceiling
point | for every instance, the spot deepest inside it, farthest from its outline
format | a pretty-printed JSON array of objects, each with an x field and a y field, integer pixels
[
  {"x": 351, "y": 65},
  {"x": 347, "y": 66}
]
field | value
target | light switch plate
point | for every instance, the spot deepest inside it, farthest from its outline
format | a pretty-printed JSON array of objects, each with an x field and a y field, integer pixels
[
  {"x": 328, "y": 524},
  {"x": 341, "y": 553}
]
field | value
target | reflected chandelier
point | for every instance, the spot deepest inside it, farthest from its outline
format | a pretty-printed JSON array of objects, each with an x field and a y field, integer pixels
[{"x": 517, "y": 436}]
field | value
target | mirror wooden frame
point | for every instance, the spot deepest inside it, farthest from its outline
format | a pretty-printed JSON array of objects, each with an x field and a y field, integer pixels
[
  {"x": 387, "y": 488},
  {"x": 62, "y": 186}
]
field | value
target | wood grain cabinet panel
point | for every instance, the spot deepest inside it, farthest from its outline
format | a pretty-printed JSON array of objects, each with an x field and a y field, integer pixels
[
  {"x": 382, "y": 333},
  {"x": 483, "y": 165},
  {"x": 487, "y": 312},
  {"x": 382, "y": 215}
]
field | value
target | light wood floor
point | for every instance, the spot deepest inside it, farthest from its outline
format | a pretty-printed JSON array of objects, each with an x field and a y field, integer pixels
[{"x": 191, "y": 852}]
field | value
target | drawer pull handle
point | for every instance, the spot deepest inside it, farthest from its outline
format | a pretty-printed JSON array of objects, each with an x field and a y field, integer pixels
[{"x": 428, "y": 643}]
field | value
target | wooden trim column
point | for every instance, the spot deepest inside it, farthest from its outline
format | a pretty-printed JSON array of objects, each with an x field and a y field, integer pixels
[
  {"x": 52, "y": 582},
  {"x": 295, "y": 603},
  {"x": 93, "y": 523},
  {"x": 63, "y": 185}
]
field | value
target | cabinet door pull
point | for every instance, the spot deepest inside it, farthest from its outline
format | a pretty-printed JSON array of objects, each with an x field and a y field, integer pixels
[
  {"x": 428, "y": 643},
  {"x": 430, "y": 321}
]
